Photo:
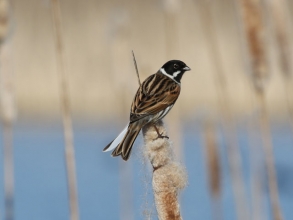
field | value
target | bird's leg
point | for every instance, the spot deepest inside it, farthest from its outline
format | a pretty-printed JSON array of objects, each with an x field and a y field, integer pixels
[{"x": 159, "y": 135}]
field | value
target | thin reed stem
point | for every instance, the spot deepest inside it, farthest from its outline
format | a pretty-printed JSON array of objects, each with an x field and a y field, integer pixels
[
  {"x": 254, "y": 29},
  {"x": 269, "y": 158},
  {"x": 283, "y": 34},
  {"x": 136, "y": 69},
  {"x": 66, "y": 113},
  {"x": 257, "y": 212}
]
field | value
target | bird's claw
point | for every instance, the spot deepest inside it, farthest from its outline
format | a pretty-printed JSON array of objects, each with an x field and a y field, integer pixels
[{"x": 162, "y": 136}]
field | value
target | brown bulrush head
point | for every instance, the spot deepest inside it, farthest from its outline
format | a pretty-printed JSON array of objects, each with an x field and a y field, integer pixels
[{"x": 169, "y": 176}]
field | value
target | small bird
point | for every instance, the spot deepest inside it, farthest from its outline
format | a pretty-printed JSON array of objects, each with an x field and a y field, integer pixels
[{"x": 153, "y": 100}]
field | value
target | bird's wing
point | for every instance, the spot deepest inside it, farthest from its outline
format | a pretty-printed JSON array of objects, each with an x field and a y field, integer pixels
[{"x": 155, "y": 94}]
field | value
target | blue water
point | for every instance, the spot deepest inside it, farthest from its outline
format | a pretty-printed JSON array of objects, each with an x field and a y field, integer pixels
[{"x": 41, "y": 187}]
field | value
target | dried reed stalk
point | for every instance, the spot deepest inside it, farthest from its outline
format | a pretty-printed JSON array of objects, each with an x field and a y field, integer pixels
[
  {"x": 269, "y": 159},
  {"x": 66, "y": 113},
  {"x": 234, "y": 157},
  {"x": 257, "y": 212},
  {"x": 283, "y": 34},
  {"x": 168, "y": 175},
  {"x": 254, "y": 29},
  {"x": 136, "y": 69},
  {"x": 8, "y": 109}
]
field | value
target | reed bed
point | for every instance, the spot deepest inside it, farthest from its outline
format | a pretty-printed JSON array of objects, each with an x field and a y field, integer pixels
[{"x": 103, "y": 85}]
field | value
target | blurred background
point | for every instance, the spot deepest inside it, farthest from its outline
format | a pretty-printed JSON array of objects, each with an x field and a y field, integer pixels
[{"x": 231, "y": 127}]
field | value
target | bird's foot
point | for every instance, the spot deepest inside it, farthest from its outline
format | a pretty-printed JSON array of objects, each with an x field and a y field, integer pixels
[{"x": 161, "y": 136}]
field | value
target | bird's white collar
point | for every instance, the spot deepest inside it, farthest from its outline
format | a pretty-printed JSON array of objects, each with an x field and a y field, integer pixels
[{"x": 162, "y": 70}]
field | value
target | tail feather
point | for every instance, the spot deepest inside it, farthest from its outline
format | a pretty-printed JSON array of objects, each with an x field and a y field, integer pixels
[
  {"x": 118, "y": 149},
  {"x": 116, "y": 141},
  {"x": 128, "y": 143},
  {"x": 124, "y": 146}
]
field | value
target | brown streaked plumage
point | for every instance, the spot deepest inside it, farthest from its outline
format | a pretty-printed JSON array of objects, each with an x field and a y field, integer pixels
[
  {"x": 153, "y": 100},
  {"x": 155, "y": 94}
]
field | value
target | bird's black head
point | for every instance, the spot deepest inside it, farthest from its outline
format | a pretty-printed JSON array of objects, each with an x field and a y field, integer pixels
[{"x": 174, "y": 69}]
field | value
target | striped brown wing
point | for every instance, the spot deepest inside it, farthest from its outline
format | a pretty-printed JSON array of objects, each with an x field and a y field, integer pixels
[{"x": 155, "y": 94}]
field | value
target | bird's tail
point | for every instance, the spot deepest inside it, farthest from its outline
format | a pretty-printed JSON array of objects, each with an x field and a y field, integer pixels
[{"x": 124, "y": 142}]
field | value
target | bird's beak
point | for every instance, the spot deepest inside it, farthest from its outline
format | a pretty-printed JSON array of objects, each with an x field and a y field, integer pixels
[{"x": 186, "y": 68}]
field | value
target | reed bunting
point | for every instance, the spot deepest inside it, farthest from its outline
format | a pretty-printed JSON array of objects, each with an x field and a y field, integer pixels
[{"x": 153, "y": 100}]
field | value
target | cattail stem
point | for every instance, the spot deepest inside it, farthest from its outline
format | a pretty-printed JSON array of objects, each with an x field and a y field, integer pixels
[
  {"x": 283, "y": 34},
  {"x": 269, "y": 159},
  {"x": 168, "y": 175},
  {"x": 66, "y": 113},
  {"x": 254, "y": 30}
]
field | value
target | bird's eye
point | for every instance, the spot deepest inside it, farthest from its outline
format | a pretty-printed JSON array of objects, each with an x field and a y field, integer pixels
[{"x": 176, "y": 66}]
